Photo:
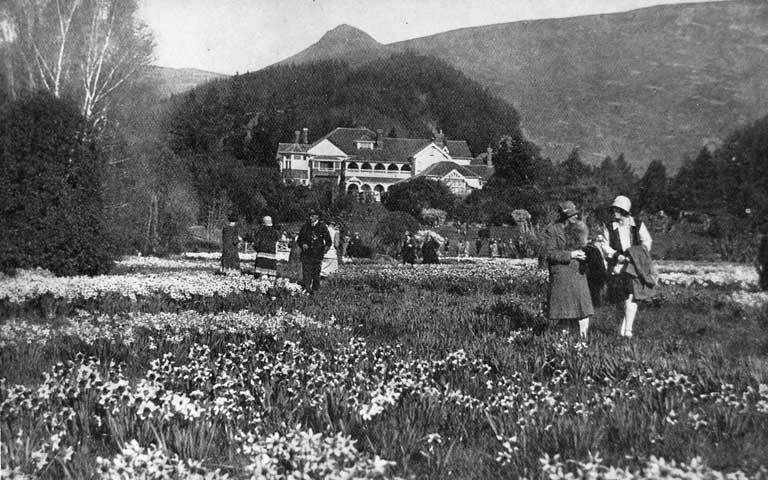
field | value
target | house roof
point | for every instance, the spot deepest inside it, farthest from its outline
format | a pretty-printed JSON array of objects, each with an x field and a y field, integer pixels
[
  {"x": 344, "y": 138},
  {"x": 441, "y": 169},
  {"x": 391, "y": 149},
  {"x": 483, "y": 171},
  {"x": 292, "y": 148}
]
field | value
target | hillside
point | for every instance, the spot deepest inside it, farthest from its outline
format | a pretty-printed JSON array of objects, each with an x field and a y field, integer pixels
[
  {"x": 406, "y": 95},
  {"x": 655, "y": 83},
  {"x": 170, "y": 81}
]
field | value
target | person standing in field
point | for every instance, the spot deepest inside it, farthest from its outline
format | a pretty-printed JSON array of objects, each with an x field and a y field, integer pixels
[
  {"x": 626, "y": 246},
  {"x": 408, "y": 249},
  {"x": 568, "y": 297},
  {"x": 762, "y": 260},
  {"x": 331, "y": 258},
  {"x": 314, "y": 241},
  {"x": 265, "y": 245},
  {"x": 230, "y": 259},
  {"x": 429, "y": 250}
]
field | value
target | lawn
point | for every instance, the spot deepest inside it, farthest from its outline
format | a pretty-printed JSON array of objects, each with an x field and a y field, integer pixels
[{"x": 167, "y": 370}]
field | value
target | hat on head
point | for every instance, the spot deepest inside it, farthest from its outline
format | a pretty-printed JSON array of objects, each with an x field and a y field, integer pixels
[
  {"x": 267, "y": 221},
  {"x": 567, "y": 209},
  {"x": 622, "y": 203},
  {"x": 311, "y": 212}
]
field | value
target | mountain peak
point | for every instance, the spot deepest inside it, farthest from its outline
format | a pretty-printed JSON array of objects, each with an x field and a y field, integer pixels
[{"x": 349, "y": 37}]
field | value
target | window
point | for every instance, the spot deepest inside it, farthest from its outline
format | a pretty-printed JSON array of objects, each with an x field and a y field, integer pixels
[
  {"x": 352, "y": 166},
  {"x": 325, "y": 166}
]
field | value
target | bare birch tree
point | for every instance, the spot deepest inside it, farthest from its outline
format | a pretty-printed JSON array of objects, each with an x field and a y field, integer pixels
[{"x": 86, "y": 49}]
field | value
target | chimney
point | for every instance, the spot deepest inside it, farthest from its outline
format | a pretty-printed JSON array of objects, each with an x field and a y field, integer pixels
[
  {"x": 296, "y": 136},
  {"x": 305, "y": 135},
  {"x": 440, "y": 139},
  {"x": 379, "y": 137},
  {"x": 489, "y": 158}
]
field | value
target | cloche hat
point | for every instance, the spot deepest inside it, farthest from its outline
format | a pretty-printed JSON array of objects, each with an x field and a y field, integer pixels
[{"x": 622, "y": 203}]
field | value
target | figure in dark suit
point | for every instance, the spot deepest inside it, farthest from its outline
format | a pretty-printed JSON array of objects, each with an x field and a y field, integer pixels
[{"x": 314, "y": 241}]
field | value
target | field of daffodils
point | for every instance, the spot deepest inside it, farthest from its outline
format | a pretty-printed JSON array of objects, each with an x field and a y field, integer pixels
[{"x": 167, "y": 369}]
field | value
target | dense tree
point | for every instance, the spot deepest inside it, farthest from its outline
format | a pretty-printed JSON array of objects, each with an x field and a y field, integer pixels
[
  {"x": 573, "y": 170},
  {"x": 50, "y": 190},
  {"x": 517, "y": 161},
  {"x": 415, "y": 195},
  {"x": 652, "y": 191},
  {"x": 391, "y": 229},
  {"x": 696, "y": 185}
]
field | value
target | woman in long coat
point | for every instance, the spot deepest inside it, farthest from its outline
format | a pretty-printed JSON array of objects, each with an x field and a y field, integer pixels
[
  {"x": 265, "y": 244},
  {"x": 568, "y": 297},
  {"x": 230, "y": 260}
]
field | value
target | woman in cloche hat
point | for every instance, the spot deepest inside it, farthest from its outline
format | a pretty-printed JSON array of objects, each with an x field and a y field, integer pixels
[{"x": 623, "y": 233}]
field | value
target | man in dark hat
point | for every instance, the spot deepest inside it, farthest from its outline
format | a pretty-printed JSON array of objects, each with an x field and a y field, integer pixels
[{"x": 314, "y": 240}]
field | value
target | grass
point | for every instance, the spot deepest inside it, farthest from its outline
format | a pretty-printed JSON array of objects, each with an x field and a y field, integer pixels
[{"x": 474, "y": 382}]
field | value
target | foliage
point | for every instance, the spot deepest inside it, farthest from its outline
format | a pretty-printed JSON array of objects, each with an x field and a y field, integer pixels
[
  {"x": 95, "y": 51},
  {"x": 652, "y": 191},
  {"x": 391, "y": 228},
  {"x": 408, "y": 372},
  {"x": 415, "y": 195},
  {"x": 50, "y": 190},
  {"x": 409, "y": 93}
]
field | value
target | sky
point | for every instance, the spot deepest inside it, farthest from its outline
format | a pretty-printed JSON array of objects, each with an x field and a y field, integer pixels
[{"x": 230, "y": 36}]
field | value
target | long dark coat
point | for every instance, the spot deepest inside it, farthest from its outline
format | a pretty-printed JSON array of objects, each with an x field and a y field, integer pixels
[
  {"x": 230, "y": 260},
  {"x": 568, "y": 296}
]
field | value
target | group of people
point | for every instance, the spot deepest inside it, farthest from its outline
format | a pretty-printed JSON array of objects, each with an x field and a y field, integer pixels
[
  {"x": 316, "y": 241},
  {"x": 411, "y": 249},
  {"x": 616, "y": 262}
]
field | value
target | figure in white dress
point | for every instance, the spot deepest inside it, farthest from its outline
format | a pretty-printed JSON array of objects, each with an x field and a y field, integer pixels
[{"x": 331, "y": 259}]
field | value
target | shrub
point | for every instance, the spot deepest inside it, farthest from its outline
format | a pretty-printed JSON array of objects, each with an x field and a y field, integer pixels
[
  {"x": 417, "y": 194},
  {"x": 390, "y": 230},
  {"x": 50, "y": 190}
]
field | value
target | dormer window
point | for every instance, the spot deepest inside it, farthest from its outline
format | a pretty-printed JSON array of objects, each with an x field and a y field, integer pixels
[{"x": 364, "y": 145}]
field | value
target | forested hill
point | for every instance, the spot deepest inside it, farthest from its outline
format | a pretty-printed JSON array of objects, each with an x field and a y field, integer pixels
[
  {"x": 656, "y": 83},
  {"x": 407, "y": 95}
]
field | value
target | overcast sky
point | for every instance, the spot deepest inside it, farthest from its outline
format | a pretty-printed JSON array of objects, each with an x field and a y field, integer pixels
[{"x": 229, "y": 36}]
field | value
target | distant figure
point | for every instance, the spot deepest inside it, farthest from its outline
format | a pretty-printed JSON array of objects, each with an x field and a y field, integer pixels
[
  {"x": 331, "y": 258},
  {"x": 467, "y": 245},
  {"x": 494, "y": 248},
  {"x": 344, "y": 245},
  {"x": 447, "y": 246},
  {"x": 568, "y": 297},
  {"x": 460, "y": 252},
  {"x": 408, "y": 249},
  {"x": 230, "y": 259},
  {"x": 478, "y": 246},
  {"x": 429, "y": 251},
  {"x": 762, "y": 261},
  {"x": 355, "y": 245},
  {"x": 265, "y": 244},
  {"x": 314, "y": 241}
]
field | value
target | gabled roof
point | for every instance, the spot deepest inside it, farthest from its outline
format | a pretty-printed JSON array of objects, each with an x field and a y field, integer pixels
[
  {"x": 441, "y": 169},
  {"x": 458, "y": 148},
  {"x": 344, "y": 138},
  {"x": 483, "y": 171},
  {"x": 292, "y": 148}
]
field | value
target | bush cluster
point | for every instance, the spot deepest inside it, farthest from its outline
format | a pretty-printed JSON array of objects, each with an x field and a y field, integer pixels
[{"x": 50, "y": 190}]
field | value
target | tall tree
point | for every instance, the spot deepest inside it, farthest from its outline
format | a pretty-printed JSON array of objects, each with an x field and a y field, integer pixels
[
  {"x": 573, "y": 170},
  {"x": 516, "y": 160},
  {"x": 84, "y": 49},
  {"x": 652, "y": 189}
]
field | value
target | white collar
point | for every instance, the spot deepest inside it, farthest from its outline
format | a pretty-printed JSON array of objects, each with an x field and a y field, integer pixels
[{"x": 630, "y": 223}]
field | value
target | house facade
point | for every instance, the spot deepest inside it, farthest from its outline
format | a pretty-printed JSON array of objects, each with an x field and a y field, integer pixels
[{"x": 363, "y": 161}]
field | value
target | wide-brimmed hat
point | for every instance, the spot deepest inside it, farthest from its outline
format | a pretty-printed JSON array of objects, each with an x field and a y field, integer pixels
[
  {"x": 622, "y": 203},
  {"x": 267, "y": 221},
  {"x": 567, "y": 209}
]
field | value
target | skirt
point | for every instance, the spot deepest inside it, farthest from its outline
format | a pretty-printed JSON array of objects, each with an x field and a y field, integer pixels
[{"x": 266, "y": 264}]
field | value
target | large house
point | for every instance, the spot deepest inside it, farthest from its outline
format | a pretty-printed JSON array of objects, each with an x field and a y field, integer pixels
[{"x": 359, "y": 160}]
